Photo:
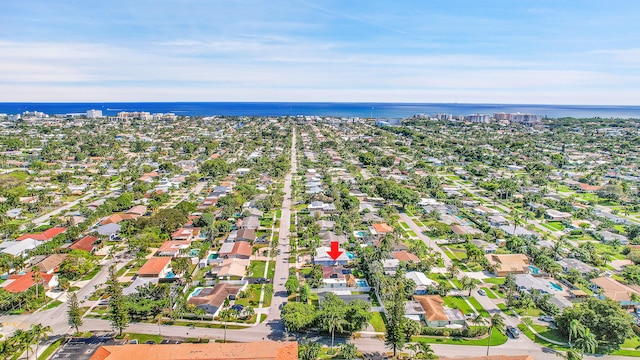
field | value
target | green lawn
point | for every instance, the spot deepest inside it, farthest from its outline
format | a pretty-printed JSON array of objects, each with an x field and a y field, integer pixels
[
  {"x": 256, "y": 269},
  {"x": 529, "y": 312},
  {"x": 377, "y": 321},
  {"x": 252, "y": 296},
  {"x": 496, "y": 280},
  {"x": 497, "y": 338},
  {"x": 549, "y": 333},
  {"x": 403, "y": 224},
  {"x": 90, "y": 275},
  {"x": 555, "y": 225},
  {"x": 142, "y": 338},
  {"x": 490, "y": 293},
  {"x": 479, "y": 307},
  {"x": 525, "y": 330},
  {"x": 51, "y": 349},
  {"x": 52, "y": 304},
  {"x": 457, "y": 302}
]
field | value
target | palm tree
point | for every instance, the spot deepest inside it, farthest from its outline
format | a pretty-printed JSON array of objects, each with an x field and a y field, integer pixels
[
  {"x": 497, "y": 322},
  {"x": 37, "y": 278},
  {"x": 39, "y": 333},
  {"x": 575, "y": 328},
  {"x": 425, "y": 351},
  {"x": 469, "y": 283},
  {"x": 226, "y": 315},
  {"x": 478, "y": 320},
  {"x": 571, "y": 354},
  {"x": 587, "y": 342}
]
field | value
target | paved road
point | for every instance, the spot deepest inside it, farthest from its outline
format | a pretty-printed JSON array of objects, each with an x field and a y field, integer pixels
[
  {"x": 427, "y": 240},
  {"x": 44, "y": 218}
]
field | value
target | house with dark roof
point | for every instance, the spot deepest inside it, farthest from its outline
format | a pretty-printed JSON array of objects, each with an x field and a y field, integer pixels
[{"x": 212, "y": 299}]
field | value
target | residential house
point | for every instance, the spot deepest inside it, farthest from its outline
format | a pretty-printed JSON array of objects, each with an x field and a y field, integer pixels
[
  {"x": 509, "y": 263},
  {"x": 488, "y": 248},
  {"x": 22, "y": 282},
  {"x": 246, "y": 235},
  {"x": 497, "y": 220},
  {"x": 260, "y": 350},
  {"x": 435, "y": 314},
  {"x": 87, "y": 243},
  {"x": 625, "y": 295},
  {"x": 173, "y": 248},
  {"x": 390, "y": 266},
  {"x": 485, "y": 211},
  {"x": 608, "y": 236},
  {"x": 117, "y": 218},
  {"x": 492, "y": 357},
  {"x": 253, "y": 212},
  {"x": 326, "y": 224},
  {"x": 18, "y": 248},
  {"x": 110, "y": 230},
  {"x": 251, "y": 222},
  {"x": 137, "y": 210},
  {"x": 380, "y": 229},
  {"x": 235, "y": 250},
  {"x": 556, "y": 215},
  {"x": 51, "y": 263},
  {"x": 528, "y": 282},
  {"x": 231, "y": 268},
  {"x": 517, "y": 231},
  {"x": 337, "y": 277},
  {"x": 212, "y": 299},
  {"x": 328, "y": 237},
  {"x": 423, "y": 283},
  {"x": 158, "y": 267},
  {"x": 405, "y": 256},
  {"x": 465, "y": 230},
  {"x": 568, "y": 264},
  {"x": 43, "y": 236},
  {"x": 322, "y": 257},
  {"x": 186, "y": 234},
  {"x": 319, "y": 206}
]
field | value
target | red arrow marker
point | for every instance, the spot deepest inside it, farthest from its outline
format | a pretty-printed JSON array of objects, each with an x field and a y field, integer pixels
[{"x": 334, "y": 253}]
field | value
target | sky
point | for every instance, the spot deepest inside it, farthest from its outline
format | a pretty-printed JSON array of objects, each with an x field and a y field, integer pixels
[{"x": 425, "y": 51}]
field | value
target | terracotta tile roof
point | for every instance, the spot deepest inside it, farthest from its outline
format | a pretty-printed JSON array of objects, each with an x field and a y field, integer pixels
[
  {"x": 433, "y": 307},
  {"x": 382, "y": 228},
  {"x": 86, "y": 243},
  {"x": 45, "y": 235},
  {"x": 587, "y": 187},
  {"x": 173, "y": 246},
  {"x": 405, "y": 256},
  {"x": 23, "y": 282},
  {"x": 185, "y": 233},
  {"x": 116, "y": 218},
  {"x": 259, "y": 350},
  {"x": 241, "y": 248},
  {"x": 154, "y": 265}
]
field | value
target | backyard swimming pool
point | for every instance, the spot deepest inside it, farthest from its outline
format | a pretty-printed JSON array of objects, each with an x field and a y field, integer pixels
[
  {"x": 534, "y": 270},
  {"x": 350, "y": 255},
  {"x": 195, "y": 292},
  {"x": 362, "y": 283},
  {"x": 555, "y": 286}
]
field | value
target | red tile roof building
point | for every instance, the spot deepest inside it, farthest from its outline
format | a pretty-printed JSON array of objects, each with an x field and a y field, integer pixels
[{"x": 45, "y": 235}]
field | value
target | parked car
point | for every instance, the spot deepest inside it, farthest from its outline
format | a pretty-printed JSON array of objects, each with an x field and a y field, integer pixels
[
  {"x": 513, "y": 332},
  {"x": 546, "y": 318},
  {"x": 237, "y": 307},
  {"x": 482, "y": 292}
]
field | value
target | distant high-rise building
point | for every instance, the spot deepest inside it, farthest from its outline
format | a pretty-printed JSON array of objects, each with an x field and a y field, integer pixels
[
  {"x": 501, "y": 116},
  {"x": 443, "y": 116},
  {"x": 94, "y": 114},
  {"x": 479, "y": 118},
  {"x": 526, "y": 119}
]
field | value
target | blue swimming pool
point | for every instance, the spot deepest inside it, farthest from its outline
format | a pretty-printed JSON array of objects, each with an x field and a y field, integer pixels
[
  {"x": 534, "y": 270},
  {"x": 170, "y": 275},
  {"x": 360, "y": 233},
  {"x": 195, "y": 292},
  {"x": 350, "y": 255},
  {"x": 555, "y": 286},
  {"x": 362, "y": 283},
  {"x": 213, "y": 256}
]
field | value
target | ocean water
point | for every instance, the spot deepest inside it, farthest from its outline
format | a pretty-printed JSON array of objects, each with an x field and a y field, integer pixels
[{"x": 363, "y": 110}]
